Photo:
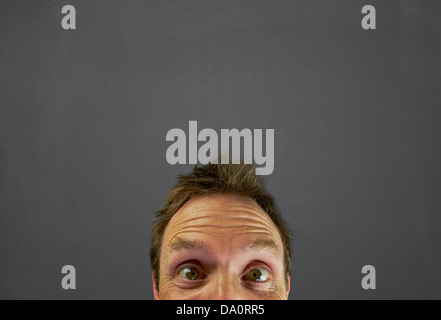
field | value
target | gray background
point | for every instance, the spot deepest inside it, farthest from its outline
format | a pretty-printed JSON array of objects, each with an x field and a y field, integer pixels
[{"x": 84, "y": 115}]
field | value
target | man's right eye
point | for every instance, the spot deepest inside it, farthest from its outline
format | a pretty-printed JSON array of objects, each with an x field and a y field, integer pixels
[{"x": 190, "y": 273}]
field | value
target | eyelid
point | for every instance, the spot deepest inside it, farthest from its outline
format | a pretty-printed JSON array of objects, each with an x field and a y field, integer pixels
[{"x": 258, "y": 264}]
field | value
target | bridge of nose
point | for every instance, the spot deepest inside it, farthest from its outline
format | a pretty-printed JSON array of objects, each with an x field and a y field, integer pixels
[{"x": 226, "y": 285}]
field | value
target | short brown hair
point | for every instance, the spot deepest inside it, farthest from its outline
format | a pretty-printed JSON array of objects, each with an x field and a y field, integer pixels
[{"x": 237, "y": 179}]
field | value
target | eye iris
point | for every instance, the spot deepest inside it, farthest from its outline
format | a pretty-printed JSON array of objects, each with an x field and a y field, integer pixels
[
  {"x": 255, "y": 275},
  {"x": 192, "y": 274}
]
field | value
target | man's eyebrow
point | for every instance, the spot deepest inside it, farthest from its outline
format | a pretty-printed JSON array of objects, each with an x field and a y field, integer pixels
[
  {"x": 179, "y": 244},
  {"x": 265, "y": 244}
]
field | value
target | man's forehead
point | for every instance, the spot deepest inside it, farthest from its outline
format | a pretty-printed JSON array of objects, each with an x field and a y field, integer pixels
[{"x": 230, "y": 218}]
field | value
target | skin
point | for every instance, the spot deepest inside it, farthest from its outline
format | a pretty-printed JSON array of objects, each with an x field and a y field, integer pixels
[{"x": 222, "y": 247}]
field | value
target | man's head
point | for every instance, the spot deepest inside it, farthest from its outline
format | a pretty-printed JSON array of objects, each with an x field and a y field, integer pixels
[{"x": 220, "y": 236}]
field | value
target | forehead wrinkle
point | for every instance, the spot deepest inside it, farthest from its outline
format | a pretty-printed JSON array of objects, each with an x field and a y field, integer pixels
[
  {"x": 205, "y": 203},
  {"x": 250, "y": 210},
  {"x": 225, "y": 215},
  {"x": 256, "y": 232},
  {"x": 209, "y": 222},
  {"x": 207, "y": 216},
  {"x": 265, "y": 242},
  {"x": 212, "y": 226},
  {"x": 219, "y": 229},
  {"x": 223, "y": 224},
  {"x": 209, "y": 200},
  {"x": 241, "y": 230},
  {"x": 210, "y": 229}
]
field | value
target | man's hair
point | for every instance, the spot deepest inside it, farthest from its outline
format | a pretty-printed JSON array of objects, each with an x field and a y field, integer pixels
[{"x": 211, "y": 179}]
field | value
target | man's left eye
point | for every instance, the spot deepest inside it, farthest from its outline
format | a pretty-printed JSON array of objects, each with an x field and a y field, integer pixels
[
  {"x": 190, "y": 273},
  {"x": 258, "y": 275}
]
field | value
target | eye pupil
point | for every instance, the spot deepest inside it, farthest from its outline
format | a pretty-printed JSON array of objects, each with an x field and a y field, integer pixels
[
  {"x": 255, "y": 275},
  {"x": 192, "y": 274}
]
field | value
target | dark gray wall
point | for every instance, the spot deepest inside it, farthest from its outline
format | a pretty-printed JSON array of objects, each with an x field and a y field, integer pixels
[{"x": 84, "y": 115}]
